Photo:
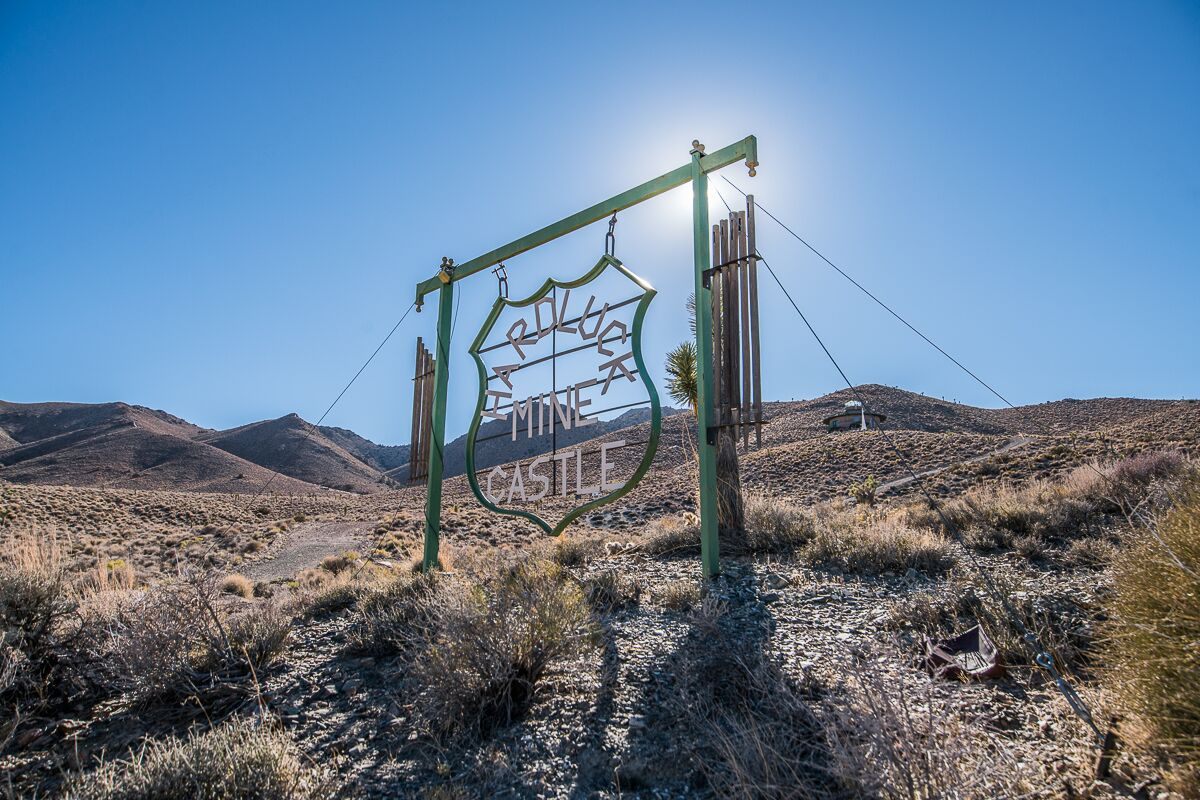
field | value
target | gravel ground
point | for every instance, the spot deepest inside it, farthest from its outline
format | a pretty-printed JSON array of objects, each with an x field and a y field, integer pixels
[{"x": 602, "y": 726}]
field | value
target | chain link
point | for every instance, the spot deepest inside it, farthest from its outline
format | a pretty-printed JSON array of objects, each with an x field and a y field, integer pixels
[{"x": 610, "y": 238}]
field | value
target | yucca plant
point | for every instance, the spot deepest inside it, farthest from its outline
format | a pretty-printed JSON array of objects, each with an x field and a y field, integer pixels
[{"x": 681, "y": 375}]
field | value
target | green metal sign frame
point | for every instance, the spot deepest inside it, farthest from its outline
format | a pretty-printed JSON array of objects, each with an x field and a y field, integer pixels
[
  {"x": 696, "y": 172},
  {"x": 648, "y": 292}
]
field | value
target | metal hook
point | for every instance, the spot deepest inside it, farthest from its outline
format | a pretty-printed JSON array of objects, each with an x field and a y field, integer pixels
[
  {"x": 502, "y": 280},
  {"x": 610, "y": 238}
]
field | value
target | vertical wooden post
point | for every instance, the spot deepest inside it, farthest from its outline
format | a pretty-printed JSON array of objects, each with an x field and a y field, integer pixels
[
  {"x": 437, "y": 438},
  {"x": 709, "y": 546}
]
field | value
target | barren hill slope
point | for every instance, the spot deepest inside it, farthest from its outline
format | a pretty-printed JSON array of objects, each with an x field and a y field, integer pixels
[
  {"x": 296, "y": 448},
  {"x": 383, "y": 457},
  {"x": 31, "y": 422},
  {"x": 131, "y": 457}
]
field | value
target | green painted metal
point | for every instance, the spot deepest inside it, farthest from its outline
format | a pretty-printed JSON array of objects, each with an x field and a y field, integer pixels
[
  {"x": 441, "y": 376},
  {"x": 710, "y": 559},
  {"x": 745, "y": 150},
  {"x": 605, "y": 262},
  {"x": 696, "y": 172}
]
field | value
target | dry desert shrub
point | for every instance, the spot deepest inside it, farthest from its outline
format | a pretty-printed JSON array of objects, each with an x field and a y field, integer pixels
[
  {"x": 173, "y": 641},
  {"x": 574, "y": 551},
  {"x": 1031, "y": 517},
  {"x": 609, "y": 590},
  {"x": 238, "y": 585},
  {"x": 35, "y": 594},
  {"x": 493, "y": 643},
  {"x": 874, "y": 543},
  {"x": 396, "y": 616},
  {"x": 889, "y": 741},
  {"x": 672, "y": 536},
  {"x": 237, "y": 761},
  {"x": 680, "y": 595},
  {"x": 775, "y": 526},
  {"x": 1153, "y": 641}
]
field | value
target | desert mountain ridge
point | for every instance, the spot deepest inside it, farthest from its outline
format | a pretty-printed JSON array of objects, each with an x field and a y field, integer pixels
[{"x": 129, "y": 446}]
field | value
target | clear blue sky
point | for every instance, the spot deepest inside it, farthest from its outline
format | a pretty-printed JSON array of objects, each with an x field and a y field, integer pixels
[{"x": 219, "y": 209}]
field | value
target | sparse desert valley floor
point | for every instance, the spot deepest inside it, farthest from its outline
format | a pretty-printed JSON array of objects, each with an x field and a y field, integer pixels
[{"x": 285, "y": 636}]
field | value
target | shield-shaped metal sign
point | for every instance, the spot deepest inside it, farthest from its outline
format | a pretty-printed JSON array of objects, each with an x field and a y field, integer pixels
[{"x": 560, "y": 360}]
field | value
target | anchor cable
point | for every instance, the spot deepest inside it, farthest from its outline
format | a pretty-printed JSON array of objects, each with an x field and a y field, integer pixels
[
  {"x": 1042, "y": 655},
  {"x": 881, "y": 304}
]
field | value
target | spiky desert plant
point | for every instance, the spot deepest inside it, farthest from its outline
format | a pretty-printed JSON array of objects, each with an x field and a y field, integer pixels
[{"x": 682, "y": 385}]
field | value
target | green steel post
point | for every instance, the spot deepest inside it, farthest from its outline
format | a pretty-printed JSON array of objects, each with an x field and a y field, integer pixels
[
  {"x": 441, "y": 375},
  {"x": 709, "y": 553}
]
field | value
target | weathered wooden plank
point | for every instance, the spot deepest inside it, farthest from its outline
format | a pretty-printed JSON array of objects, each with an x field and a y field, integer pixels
[
  {"x": 416, "y": 409},
  {"x": 756, "y": 349},
  {"x": 718, "y": 347},
  {"x": 744, "y": 316}
]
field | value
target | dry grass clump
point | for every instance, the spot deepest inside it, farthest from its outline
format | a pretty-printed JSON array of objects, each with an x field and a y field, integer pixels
[
  {"x": 236, "y": 761},
  {"x": 889, "y": 742},
  {"x": 574, "y": 551},
  {"x": 173, "y": 641},
  {"x": 610, "y": 590},
  {"x": 775, "y": 526},
  {"x": 321, "y": 591},
  {"x": 493, "y": 643},
  {"x": 873, "y": 543},
  {"x": 341, "y": 562},
  {"x": 1041, "y": 514},
  {"x": 749, "y": 728},
  {"x": 672, "y": 536},
  {"x": 1153, "y": 647},
  {"x": 680, "y": 595},
  {"x": 396, "y": 616},
  {"x": 238, "y": 585}
]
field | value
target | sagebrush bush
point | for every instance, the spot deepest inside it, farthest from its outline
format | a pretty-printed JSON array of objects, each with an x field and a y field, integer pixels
[
  {"x": 493, "y": 644},
  {"x": 775, "y": 526},
  {"x": 237, "y": 761},
  {"x": 610, "y": 590},
  {"x": 888, "y": 741},
  {"x": 874, "y": 544},
  {"x": 172, "y": 641},
  {"x": 34, "y": 592},
  {"x": 238, "y": 585},
  {"x": 672, "y": 536},
  {"x": 397, "y": 616},
  {"x": 1152, "y": 646}
]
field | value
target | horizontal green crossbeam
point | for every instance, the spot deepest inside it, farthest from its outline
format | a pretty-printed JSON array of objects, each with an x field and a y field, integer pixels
[{"x": 745, "y": 150}]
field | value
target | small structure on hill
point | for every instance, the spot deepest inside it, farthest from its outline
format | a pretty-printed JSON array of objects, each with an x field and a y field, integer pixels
[{"x": 854, "y": 416}]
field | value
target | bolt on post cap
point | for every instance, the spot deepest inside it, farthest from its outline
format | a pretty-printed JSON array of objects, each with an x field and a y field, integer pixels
[{"x": 697, "y": 147}]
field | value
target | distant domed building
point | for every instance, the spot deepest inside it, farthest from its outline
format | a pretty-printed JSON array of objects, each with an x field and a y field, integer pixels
[{"x": 853, "y": 416}]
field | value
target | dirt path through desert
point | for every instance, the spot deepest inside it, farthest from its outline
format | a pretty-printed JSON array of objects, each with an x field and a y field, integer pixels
[{"x": 305, "y": 545}]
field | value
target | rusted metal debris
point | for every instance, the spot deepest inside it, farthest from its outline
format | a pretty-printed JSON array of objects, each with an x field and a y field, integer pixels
[{"x": 969, "y": 656}]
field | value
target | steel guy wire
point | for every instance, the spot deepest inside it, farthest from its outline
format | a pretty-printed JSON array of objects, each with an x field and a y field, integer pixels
[
  {"x": 865, "y": 291},
  {"x": 1042, "y": 656}
]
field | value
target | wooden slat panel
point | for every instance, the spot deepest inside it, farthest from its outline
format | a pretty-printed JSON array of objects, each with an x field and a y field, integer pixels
[
  {"x": 744, "y": 316},
  {"x": 756, "y": 347},
  {"x": 718, "y": 360},
  {"x": 417, "y": 409},
  {"x": 731, "y": 321}
]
